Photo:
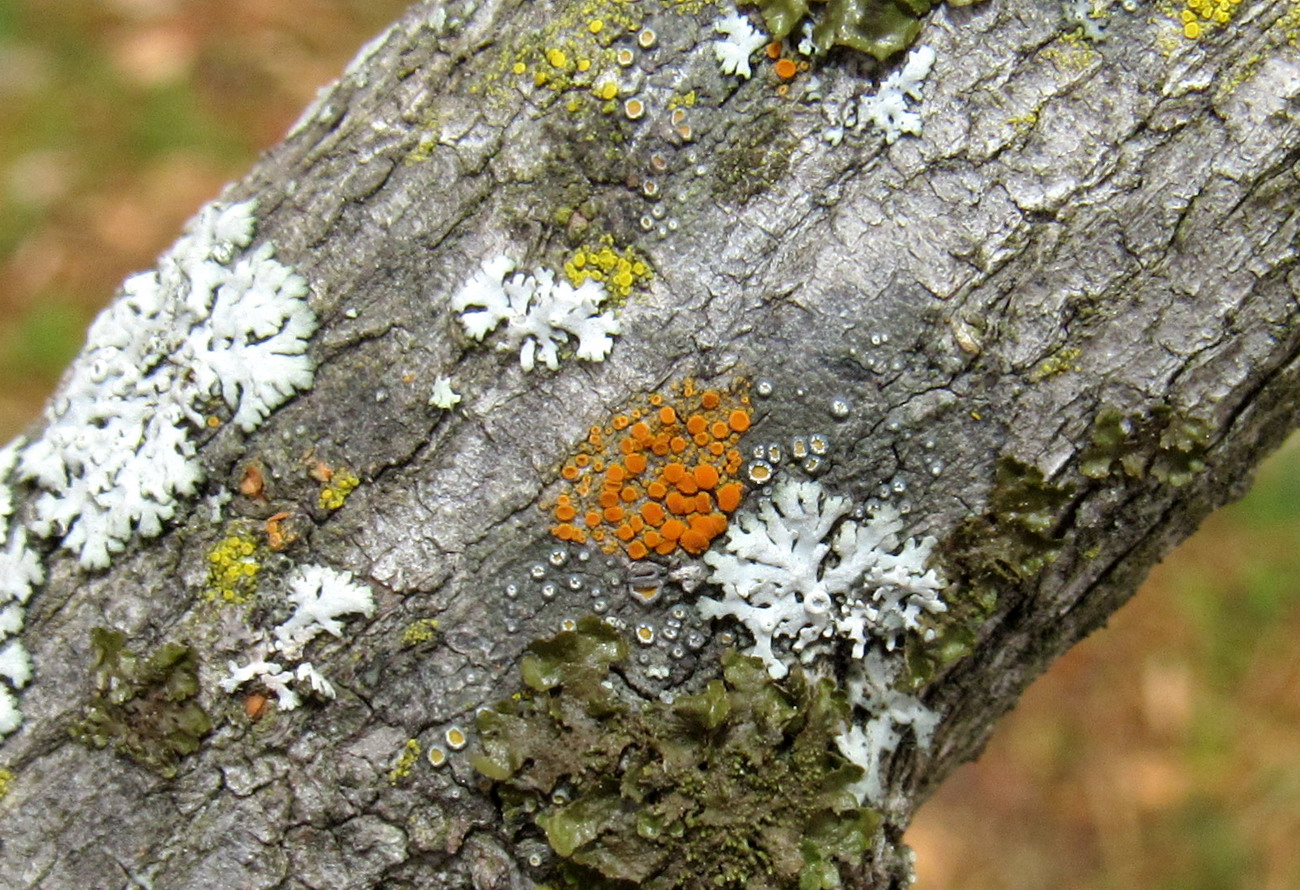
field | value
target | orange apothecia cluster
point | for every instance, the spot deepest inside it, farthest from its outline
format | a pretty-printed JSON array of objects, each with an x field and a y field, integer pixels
[{"x": 661, "y": 476}]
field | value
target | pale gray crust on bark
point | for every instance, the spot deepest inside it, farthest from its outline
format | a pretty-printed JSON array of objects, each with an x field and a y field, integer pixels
[{"x": 1110, "y": 201}]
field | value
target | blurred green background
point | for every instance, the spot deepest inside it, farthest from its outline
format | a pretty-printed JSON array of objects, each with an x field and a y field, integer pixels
[{"x": 1162, "y": 753}]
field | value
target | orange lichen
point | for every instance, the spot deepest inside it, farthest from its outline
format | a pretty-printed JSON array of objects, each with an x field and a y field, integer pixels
[
  {"x": 786, "y": 69},
  {"x": 661, "y": 475}
]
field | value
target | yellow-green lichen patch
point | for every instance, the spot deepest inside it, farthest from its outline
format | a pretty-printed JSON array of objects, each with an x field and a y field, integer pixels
[
  {"x": 423, "y": 630},
  {"x": 407, "y": 758},
  {"x": 234, "y": 562},
  {"x": 661, "y": 474},
  {"x": 6, "y": 782},
  {"x": 1054, "y": 365},
  {"x": 756, "y": 155},
  {"x": 334, "y": 492},
  {"x": 620, "y": 270},
  {"x": 738, "y": 786},
  {"x": 145, "y": 708},
  {"x": 1072, "y": 53},
  {"x": 1198, "y": 15}
]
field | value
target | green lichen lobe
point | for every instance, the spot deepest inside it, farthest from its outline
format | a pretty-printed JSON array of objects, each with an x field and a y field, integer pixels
[
  {"x": 880, "y": 28},
  {"x": 738, "y": 786},
  {"x": 1168, "y": 444},
  {"x": 1015, "y": 538},
  {"x": 144, "y": 708}
]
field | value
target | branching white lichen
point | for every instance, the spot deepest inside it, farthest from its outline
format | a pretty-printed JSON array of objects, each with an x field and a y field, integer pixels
[
  {"x": 20, "y": 571},
  {"x": 321, "y": 597},
  {"x": 443, "y": 396},
  {"x": 782, "y": 579},
  {"x": 886, "y": 110},
  {"x": 868, "y": 742},
  {"x": 541, "y": 314},
  {"x": 798, "y": 569},
  {"x": 742, "y": 41},
  {"x": 219, "y": 322}
]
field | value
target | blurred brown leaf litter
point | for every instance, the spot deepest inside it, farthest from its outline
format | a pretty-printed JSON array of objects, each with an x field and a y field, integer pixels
[{"x": 1162, "y": 753}]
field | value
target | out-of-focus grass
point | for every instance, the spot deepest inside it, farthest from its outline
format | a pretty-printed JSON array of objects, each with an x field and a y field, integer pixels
[{"x": 1162, "y": 753}]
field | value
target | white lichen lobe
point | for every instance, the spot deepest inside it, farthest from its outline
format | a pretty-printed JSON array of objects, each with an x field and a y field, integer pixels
[
  {"x": 219, "y": 325},
  {"x": 783, "y": 579},
  {"x": 813, "y": 586},
  {"x": 742, "y": 40},
  {"x": 443, "y": 396},
  {"x": 321, "y": 597},
  {"x": 540, "y": 314},
  {"x": 20, "y": 571}
]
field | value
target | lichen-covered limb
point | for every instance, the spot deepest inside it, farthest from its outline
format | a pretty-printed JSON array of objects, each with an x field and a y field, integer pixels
[{"x": 1051, "y": 331}]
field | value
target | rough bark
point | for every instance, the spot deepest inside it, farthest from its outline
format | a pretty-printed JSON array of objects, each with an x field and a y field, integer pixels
[{"x": 1084, "y": 231}]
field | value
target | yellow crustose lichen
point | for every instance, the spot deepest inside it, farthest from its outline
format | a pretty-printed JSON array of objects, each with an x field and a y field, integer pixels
[
  {"x": 232, "y": 569},
  {"x": 618, "y": 270},
  {"x": 6, "y": 780},
  {"x": 406, "y": 761},
  {"x": 336, "y": 491},
  {"x": 1200, "y": 13}
]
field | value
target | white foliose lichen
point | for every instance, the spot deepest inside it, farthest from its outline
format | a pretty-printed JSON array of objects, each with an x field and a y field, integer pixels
[
  {"x": 782, "y": 578},
  {"x": 321, "y": 597},
  {"x": 20, "y": 571},
  {"x": 540, "y": 313},
  {"x": 742, "y": 41},
  {"x": 797, "y": 568},
  {"x": 443, "y": 396},
  {"x": 887, "y": 110},
  {"x": 219, "y": 323},
  {"x": 888, "y": 711}
]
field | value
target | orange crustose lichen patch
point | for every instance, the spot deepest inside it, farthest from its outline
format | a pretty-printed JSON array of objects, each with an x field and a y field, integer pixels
[{"x": 661, "y": 475}]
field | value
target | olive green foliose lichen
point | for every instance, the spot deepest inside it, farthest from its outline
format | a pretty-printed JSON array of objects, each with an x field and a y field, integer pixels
[
  {"x": 879, "y": 27},
  {"x": 1015, "y": 538},
  {"x": 145, "y": 708},
  {"x": 1168, "y": 444},
  {"x": 739, "y": 786}
]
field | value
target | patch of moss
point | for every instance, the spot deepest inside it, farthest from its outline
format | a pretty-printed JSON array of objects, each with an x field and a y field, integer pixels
[
  {"x": 1164, "y": 442},
  {"x": 144, "y": 708},
  {"x": 739, "y": 786}
]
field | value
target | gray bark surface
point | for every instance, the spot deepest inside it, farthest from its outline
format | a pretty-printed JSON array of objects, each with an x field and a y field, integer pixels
[{"x": 1080, "y": 227}]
